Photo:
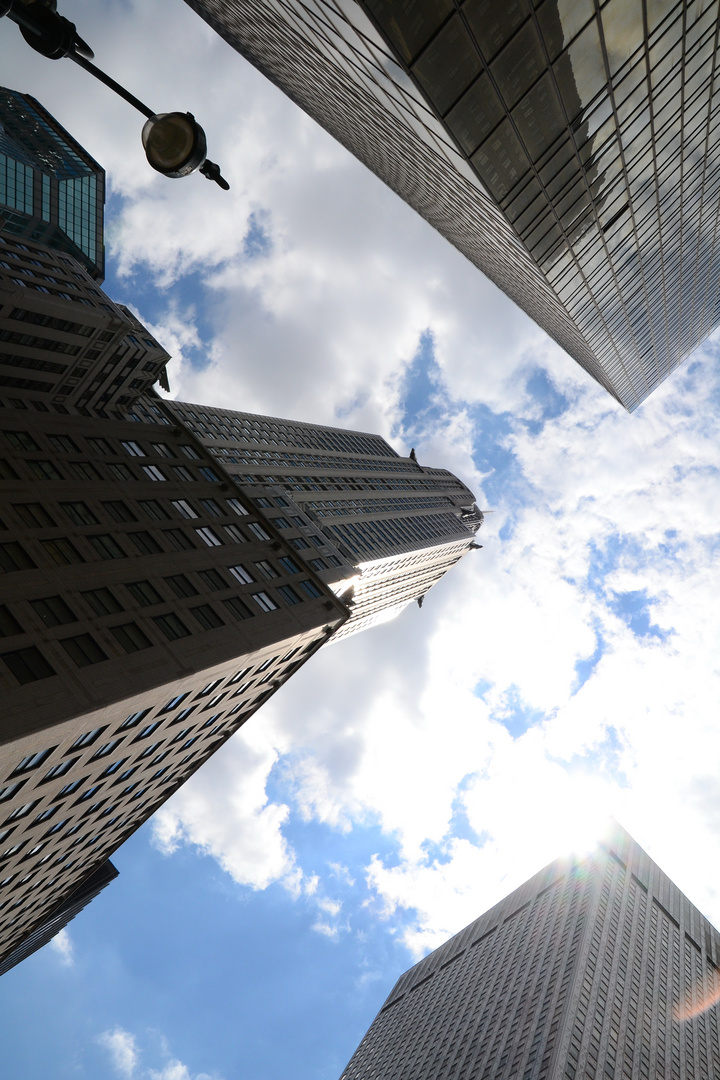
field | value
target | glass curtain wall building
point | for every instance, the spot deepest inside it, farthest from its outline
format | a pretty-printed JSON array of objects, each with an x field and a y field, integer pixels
[
  {"x": 51, "y": 190},
  {"x": 568, "y": 148},
  {"x": 592, "y": 969}
]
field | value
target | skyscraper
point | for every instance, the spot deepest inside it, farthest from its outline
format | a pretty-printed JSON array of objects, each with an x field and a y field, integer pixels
[
  {"x": 569, "y": 150},
  {"x": 597, "y": 967},
  {"x": 165, "y": 569},
  {"x": 51, "y": 190},
  {"x": 378, "y": 528}
]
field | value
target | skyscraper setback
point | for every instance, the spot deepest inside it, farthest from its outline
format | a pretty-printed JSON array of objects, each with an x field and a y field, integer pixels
[
  {"x": 570, "y": 151},
  {"x": 597, "y": 967}
]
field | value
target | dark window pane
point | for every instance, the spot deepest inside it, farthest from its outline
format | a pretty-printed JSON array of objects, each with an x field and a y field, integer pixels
[
  {"x": 410, "y": 25},
  {"x": 118, "y": 511},
  {"x": 237, "y": 609},
  {"x": 145, "y": 542},
  {"x": 171, "y": 626},
  {"x": 475, "y": 115},
  {"x": 154, "y": 510},
  {"x": 14, "y": 557},
  {"x": 207, "y": 616},
  {"x": 179, "y": 539},
  {"x": 62, "y": 551},
  {"x": 8, "y": 623},
  {"x": 212, "y": 579},
  {"x": 102, "y": 601},
  {"x": 493, "y": 23},
  {"x": 83, "y": 649},
  {"x": 448, "y": 65},
  {"x": 79, "y": 513},
  {"x": 131, "y": 637},
  {"x": 34, "y": 515},
  {"x": 53, "y": 611},
  {"x": 181, "y": 585},
  {"x": 28, "y": 665},
  {"x": 144, "y": 593},
  {"x": 107, "y": 547}
]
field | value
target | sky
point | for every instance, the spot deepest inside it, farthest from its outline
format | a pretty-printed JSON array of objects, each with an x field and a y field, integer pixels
[{"x": 408, "y": 778}]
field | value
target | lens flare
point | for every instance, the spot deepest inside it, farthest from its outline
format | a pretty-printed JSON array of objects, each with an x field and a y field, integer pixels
[{"x": 705, "y": 1002}]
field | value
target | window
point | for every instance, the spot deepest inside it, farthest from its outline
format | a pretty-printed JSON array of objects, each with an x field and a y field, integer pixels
[
  {"x": 130, "y": 637},
  {"x": 33, "y": 761},
  {"x": 183, "y": 715},
  {"x": 184, "y": 508},
  {"x": 181, "y": 585},
  {"x": 235, "y": 534},
  {"x": 281, "y": 523},
  {"x": 21, "y": 440},
  {"x": 173, "y": 703},
  {"x": 316, "y": 564},
  {"x": 9, "y": 626},
  {"x": 332, "y": 559},
  {"x": 79, "y": 513},
  {"x": 309, "y": 588},
  {"x": 266, "y": 569},
  {"x": 70, "y": 788},
  {"x": 237, "y": 507},
  {"x": 258, "y": 531},
  {"x": 23, "y": 811},
  {"x": 56, "y": 828},
  {"x": 209, "y": 688},
  {"x": 182, "y": 473},
  {"x": 34, "y": 515},
  {"x": 107, "y": 547},
  {"x": 209, "y": 537},
  {"x": 13, "y": 556},
  {"x": 238, "y": 609},
  {"x": 289, "y": 564},
  {"x": 209, "y": 474},
  {"x": 211, "y": 507},
  {"x": 102, "y": 601},
  {"x": 149, "y": 750},
  {"x": 60, "y": 769},
  {"x": 241, "y": 574},
  {"x": 118, "y": 511},
  {"x": 64, "y": 444},
  {"x": 83, "y": 470},
  {"x": 190, "y": 452},
  {"x": 264, "y": 602},
  {"x": 298, "y": 542},
  {"x": 62, "y": 551},
  {"x": 134, "y": 719},
  {"x": 145, "y": 542},
  {"x": 83, "y": 649},
  {"x": 153, "y": 472},
  {"x": 146, "y": 731},
  {"x": 154, "y": 510},
  {"x": 171, "y": 626},
  {"x": 113, "y": 768},
  {"x": 212, "y": 579},
  {"x": 161, "y": 449},
  {"x": 179, "y": 539},
  {"x": 144, "y": 593},
  {"x": 10, "y": 790},
  {"x": 318, "y": 541},
  {"x": 239, "y": 675},
  {"x": 101, "y": 446},
  {"x": 120, "y": 472},
  {"x": 263, "y": 503},
  {"x": 6, "y": 470},
  {"x": 88, "y": 738},
  {"x": 207, "y": 616},
  {"x": 133, "y": 449},
  {"x": 27, "y": 665},
  {"x": 86, "y": 795}
]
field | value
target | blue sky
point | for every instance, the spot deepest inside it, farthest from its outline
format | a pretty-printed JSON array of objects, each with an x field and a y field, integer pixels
[{"x": 407, "y": 778}]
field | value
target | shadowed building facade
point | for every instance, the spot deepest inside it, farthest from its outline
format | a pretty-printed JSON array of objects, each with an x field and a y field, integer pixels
[
  {"x": 568, "y": 149},
  {"x": 156, "y": 585},
  {"x": 593, "y": 968}
]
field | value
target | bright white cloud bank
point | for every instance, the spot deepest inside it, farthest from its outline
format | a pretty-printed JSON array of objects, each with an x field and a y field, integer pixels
[
  {"x": 126, "y": 1059},
  {"x": 567, "y": 671}
]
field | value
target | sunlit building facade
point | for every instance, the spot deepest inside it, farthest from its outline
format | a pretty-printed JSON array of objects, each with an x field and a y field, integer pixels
[
  {"x": 378, "y": 528},
  {"x": 592, "y": 969},
  {"x": 51, "y": 190},
  {"x": 568, "y": 149}
]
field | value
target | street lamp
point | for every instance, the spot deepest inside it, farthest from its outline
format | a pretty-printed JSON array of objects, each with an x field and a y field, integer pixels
[{"x": 174, "y": 143}]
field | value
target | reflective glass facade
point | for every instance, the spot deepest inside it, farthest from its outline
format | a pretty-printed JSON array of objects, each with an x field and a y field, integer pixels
[
  {"x": 51, "y": 190},
  {"x": 567, "y": 148}
]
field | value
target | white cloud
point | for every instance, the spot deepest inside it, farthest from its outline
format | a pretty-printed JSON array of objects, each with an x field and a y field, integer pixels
[
  {"x": 63, "y": 946},
  {"x": 122, "y": 1048}
]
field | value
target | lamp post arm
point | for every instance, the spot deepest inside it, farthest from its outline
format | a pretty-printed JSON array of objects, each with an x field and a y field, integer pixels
[{"x": 83, "y": 62}]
